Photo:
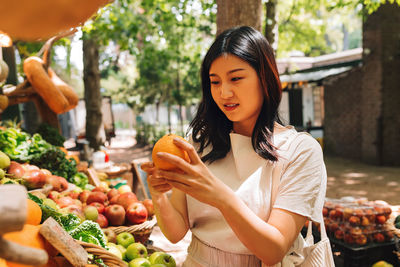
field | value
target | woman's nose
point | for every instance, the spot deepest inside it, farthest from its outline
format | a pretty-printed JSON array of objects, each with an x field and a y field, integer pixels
[{"x": 226, "y": 91}]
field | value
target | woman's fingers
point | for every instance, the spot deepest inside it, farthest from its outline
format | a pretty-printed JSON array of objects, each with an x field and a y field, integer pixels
[
  {"x": 175, "y": 160},
  {"x": 193, "y": 156},
  {"x": 147, "y": 167},
  {"x": 163, "y": 188}
]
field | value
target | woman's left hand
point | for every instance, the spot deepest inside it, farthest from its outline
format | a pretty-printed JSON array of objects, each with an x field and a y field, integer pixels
[{"x": 193, "y": 178}]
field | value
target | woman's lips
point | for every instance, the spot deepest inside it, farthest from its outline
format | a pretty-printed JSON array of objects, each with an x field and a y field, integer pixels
[{"x": 230, "y": 107}]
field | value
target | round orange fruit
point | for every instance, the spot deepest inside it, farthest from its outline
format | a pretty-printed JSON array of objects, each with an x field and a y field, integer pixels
[
  {"x": 166, "y": 144},
  {"x": 34, "y": 213}
]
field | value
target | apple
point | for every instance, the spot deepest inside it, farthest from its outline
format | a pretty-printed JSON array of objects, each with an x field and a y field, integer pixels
[
  {"x": 112, "y": 248},
  {"x": 124, "y": 188},
  {"x": 54, "y": 195},
  {"x": 135, "y": 250},
  {"x": 78, "y": 202},
  {"x": 110, "y": 234},
  {"x": 123, "y": 251},
  {"x": 91, "y": 213},
  {"x": 65, "y": 201},
  {"x": 136, "y": 213},
  {"x": 100, "y": 207},
  {"x": 16, "y": 170},
  {"x": 160, "y": 257},
  {"x": 34, "y": 179},
  {"x": 139, "y": 262},
  {"x": 115, "y": 214},
  {"x": 83, "y": 196},
  {"x": 113, "y": 192},
  {"x": 125, "y": 239},
  {"x": 49, "y": 202},
  {"x": 74, "y": 210},
  {"x": 59, "y": 183},
  {"x": 126, "y": 199},
  {"x": 96, "y": 197},
  {"x": 102, "y": 221},
  {"x": 148, "y": 203},
  {"x": 73, "y": 194},
  {"x": 114, "y": 199},
  {"x": 100, "y": 189}
]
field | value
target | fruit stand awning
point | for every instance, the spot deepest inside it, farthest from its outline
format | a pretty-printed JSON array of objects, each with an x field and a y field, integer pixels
[{"x": 313, "y": 75}]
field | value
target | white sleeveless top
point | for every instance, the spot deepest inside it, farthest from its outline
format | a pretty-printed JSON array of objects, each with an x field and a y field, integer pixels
[{"x": 301, "y": 189}]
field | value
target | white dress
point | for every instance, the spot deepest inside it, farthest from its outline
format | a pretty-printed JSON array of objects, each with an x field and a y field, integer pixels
[{"x": 301, "y": 190}]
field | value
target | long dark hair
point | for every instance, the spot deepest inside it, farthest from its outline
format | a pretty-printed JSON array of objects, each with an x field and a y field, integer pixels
[{"x": 210, "y": 125}]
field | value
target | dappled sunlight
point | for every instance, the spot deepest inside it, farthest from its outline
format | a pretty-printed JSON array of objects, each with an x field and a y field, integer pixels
[
  {"x": 354, "y": 175},
  {"x": 350, "y": 182},
  {"x": 392, "y": 183}
]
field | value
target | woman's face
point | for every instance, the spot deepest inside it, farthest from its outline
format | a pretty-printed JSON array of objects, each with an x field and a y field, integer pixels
[{"x": 236, "y": 89}]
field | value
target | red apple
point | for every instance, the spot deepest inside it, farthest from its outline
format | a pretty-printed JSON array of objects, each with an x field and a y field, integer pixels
[
  {"x": 83, "y": 196},
  {"x": 16, "y": 169},
  {"x": 96, "y": 197},
  {"x": 148, "y": 203},
  {"x": 73, "y": 194},
  {"x": 115, "y": 214},
  {"x": 59, "y": 183},
  {"x": 34, "y": 179},
  {"x": 112, "y": 193},
  {"x": 100, "y": 207},
  {"x": 126, "y": 199},
  {"x": 102, "y": 221},
  {"x": 74, "y": 209},
  {"x": 136, "y": 213},
  {"x": 100, "y": 189},
  {"x": 65, "y": 202},
  {"x": 54, "y": 195},
  {"x": 114, "y": 199}
]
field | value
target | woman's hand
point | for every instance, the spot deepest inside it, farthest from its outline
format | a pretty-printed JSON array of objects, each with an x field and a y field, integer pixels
[
  {"x": 157, "y": 185},
  {"x": 193, "y": 178}
]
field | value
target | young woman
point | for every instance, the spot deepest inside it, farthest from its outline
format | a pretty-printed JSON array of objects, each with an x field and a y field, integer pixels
[{"x": 251, "y": 183}]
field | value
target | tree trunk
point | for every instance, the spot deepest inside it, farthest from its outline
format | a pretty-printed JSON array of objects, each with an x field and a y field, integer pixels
[
  {"x": 231, "y": 13},
  {"x": 91, "y": 79},
  {"x": 270, "y": 23}
]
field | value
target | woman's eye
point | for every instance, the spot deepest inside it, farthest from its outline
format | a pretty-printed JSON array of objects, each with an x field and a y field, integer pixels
[
  {"x": 214, "y": 82},
  {"x": 236, "y": 79}
]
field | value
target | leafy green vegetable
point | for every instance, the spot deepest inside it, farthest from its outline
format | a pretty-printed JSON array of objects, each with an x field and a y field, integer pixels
[
  {"x": 67, "y": 221},
  {"x": 90, "y": 232},
  {"x": 80, "y": 179},
  {"x": 51, "y": 134},
  {"x": 54, "y": 160},
  {"x": 21, "y": 146}
]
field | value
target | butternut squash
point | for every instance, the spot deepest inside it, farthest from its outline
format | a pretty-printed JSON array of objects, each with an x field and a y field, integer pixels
[
  {"x": 65, "y": 89},
  {"x": 44, "y": 86}
]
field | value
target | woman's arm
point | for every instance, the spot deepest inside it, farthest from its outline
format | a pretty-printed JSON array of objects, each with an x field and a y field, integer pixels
[
  {"x": 269, "y": 241},
  {"x": 171, "y": 213}
]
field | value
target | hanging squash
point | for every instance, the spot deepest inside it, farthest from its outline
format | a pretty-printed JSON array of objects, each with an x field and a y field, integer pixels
[{"x": 32, "y": 20}]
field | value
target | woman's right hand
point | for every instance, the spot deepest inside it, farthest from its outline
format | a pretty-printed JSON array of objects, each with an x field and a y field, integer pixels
[{"x": 156, "y": 184}]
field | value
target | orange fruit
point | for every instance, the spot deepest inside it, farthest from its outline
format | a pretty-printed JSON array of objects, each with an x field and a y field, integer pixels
[
  {"x": 29, "y": 236},
  {"x": 166, "y": 144},
  {"x": 34, "y": 213}
]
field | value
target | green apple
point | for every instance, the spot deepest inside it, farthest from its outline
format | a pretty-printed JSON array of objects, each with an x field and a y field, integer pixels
[
  {"x": 158, "y": 265},
  {"x": 125, "y": 239},
  {"x": 135, "y": 250},
  {"x": 91, "y": 213},
  {"x": 160, "y": 257},
  {"x": 139, "y": 262},
  {"x": 4, "y": 161},
  {"x": 122, "y": 249},
  {"x": 112, "y": 248},
  {"x": 49, "y": 202}
]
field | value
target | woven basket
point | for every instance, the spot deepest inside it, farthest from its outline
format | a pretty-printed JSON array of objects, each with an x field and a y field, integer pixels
[
  {"x": 108, "y": 258},
  {"x": 141, "y": 232},
  {"x": 390, "y": 226}
]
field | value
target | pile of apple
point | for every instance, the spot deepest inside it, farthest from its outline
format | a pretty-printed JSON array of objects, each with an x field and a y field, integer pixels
[
  {"x": 107, "y": 207},
  {"x": 135, "y": 254},
  {"x": 29, "y": 175}
]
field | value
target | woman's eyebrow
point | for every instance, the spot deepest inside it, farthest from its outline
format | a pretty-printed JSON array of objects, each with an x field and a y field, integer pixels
[{"x": 229, "y": 72}]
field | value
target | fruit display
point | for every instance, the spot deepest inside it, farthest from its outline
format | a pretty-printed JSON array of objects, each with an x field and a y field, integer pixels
[
  {"x": 136, "y": 254},
  {"x": 357, "y": 223}
]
